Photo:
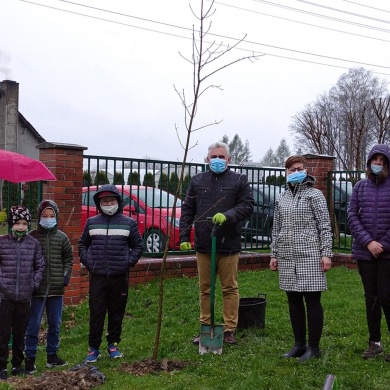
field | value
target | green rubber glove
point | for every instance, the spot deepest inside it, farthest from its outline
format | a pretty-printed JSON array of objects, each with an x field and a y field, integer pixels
[
  {"x": 185, "y": 246},
  {"x": 219, "y": 219}
]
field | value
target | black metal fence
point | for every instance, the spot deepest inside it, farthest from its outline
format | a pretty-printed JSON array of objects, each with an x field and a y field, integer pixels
[
  {"x": 26, "y": 194},
  {"x": 339, "y": 190},
  {"x": 148, "y": 188}
]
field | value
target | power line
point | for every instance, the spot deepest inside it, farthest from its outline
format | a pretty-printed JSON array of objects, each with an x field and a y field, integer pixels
[
  {"x": 304, "y": 23},
  {"x": 344, "y": 12},
  {"x": 216, "y": 35},
  {"x": 367, "y": 6},
  {"x": 323, "y": 16}
]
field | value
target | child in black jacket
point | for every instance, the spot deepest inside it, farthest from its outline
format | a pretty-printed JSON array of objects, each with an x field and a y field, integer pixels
[{"x": 21, "y": 270}]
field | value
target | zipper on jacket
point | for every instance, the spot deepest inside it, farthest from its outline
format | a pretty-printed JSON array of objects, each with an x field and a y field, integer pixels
[
  {"x": 17, "y": 269},
  {"x": 105, "y": 245},
  {"x": 47, "y": 262}
]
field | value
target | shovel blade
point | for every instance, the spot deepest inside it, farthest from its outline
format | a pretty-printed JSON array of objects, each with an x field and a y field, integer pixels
[{"x": 211, "y": 339}]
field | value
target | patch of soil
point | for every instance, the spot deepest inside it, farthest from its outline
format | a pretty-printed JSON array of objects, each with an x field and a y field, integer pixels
[
  {"x": 151, "y": 366},
  {"x": 80, "y": 377}
]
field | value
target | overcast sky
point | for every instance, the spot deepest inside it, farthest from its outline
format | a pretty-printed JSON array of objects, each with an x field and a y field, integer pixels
[{"x": 106, "y": 80}]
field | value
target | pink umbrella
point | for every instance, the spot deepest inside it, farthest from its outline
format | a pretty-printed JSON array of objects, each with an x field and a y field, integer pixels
[{"x": 18, "y": 168}]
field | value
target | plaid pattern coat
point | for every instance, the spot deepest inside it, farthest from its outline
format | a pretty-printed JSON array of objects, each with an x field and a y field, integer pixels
[{"x": 301, "y": 235}]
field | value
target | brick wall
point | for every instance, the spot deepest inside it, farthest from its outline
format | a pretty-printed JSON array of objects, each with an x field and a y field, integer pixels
[
  {"x": 66, "y": 163},
  {"x": 149, "y": 269}
]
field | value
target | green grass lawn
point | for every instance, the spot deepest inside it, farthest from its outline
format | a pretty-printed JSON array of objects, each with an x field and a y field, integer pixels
[{"x": 254, "y": 363}]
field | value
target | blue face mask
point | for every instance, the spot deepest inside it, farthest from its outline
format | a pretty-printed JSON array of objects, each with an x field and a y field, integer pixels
[
  {"x": 48, "y": 223},
  {"x": 296, "y": 177},
  {"x": 376, "y": 169},
  {"x": 217, "y": 165}
]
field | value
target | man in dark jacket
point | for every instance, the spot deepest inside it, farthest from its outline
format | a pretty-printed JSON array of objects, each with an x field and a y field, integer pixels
[
  {"x": 226, "y": 198},
  {"x": 58, "y": 254},
  {"x": 109, "y": 245}
]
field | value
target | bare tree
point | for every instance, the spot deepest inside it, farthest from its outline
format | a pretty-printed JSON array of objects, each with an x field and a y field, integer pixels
[
  {"x": 347, "y": 121},
  {"x": 381, "y": 108},
  {"x": 204, "y": 55}
]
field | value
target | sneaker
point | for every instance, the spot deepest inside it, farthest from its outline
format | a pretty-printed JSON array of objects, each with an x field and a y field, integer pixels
[
  {"x": 3, "y": 375},
  {"x": 372, "y": 350},
  {"x": 114, "y": 352},
  {"x": 93, "y": 355},
  {"x": 18, "y": 371},
  {"x": 55, "y": 361},
  {"x": 196, "y": 340},
  {"x": 30, "y": 366},
  {"x": 228, "y": 337},
  {"x": 387, "y": 358}
]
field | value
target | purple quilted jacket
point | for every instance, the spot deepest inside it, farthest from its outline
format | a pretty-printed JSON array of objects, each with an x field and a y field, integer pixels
[
  {"x": 369, "y": 212},
  {"x": 21, "y": 267}
]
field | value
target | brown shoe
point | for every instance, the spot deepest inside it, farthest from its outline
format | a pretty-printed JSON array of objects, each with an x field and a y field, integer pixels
[
  {"x": 372, "y": 350},
  {"x": 228, "y": 337},
  {"x": 196, "y": 340}
]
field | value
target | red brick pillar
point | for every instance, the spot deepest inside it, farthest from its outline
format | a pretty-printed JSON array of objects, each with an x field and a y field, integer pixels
[
  {"x": 319, "y": 166},
  {"x": 65, "y": 161}
]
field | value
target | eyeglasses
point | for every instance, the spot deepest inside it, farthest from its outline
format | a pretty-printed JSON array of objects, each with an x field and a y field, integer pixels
[
  {"x": 296, "y": 169},
  {"x": 108, "y": 202},
  {"x": 221, "y": 156}
]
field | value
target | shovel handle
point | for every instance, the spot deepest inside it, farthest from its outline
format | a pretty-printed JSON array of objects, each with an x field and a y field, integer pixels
[
  {"x": 213, "y": 276},
  {"x": 213, "y": 270}
]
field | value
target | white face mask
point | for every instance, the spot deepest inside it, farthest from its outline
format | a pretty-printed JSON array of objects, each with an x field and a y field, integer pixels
[{"x": 110, "y": 210}]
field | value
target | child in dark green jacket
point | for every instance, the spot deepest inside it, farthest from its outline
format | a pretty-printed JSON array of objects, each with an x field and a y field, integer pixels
[{"x": 58, "y": 253}]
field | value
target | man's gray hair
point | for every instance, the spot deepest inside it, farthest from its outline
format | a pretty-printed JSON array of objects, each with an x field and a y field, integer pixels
[{"x": 219, "y": 145}]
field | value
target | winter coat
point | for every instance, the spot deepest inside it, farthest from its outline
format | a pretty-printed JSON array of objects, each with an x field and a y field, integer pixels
[
  {"x": 109, "y": 245},
  {"x": 58, "y": 254},
  {"x": 301, "y": 236},
  {"x": 210, "y": 193},
  {"x": 21, "y": 267},
  {"x": 369, "y": 212}
]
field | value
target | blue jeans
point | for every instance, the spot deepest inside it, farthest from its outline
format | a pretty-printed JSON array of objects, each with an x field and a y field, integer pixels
[{"x": 53, "y": 306}]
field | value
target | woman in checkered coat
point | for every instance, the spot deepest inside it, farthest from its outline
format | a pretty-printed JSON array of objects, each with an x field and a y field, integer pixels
[{"x": 301, "y": 251}]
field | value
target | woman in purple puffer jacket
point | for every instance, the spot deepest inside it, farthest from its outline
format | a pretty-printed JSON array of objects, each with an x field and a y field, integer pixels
[{"x": 369, "y": 223}]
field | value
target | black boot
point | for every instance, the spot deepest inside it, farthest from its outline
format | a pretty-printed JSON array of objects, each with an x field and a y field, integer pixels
[
  {"x": 296, "y": 351},
  {"x": 310, "y": 354}
]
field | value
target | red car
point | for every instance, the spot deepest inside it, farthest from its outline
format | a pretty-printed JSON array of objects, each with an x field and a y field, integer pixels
[{"x": 150, "y": 207}]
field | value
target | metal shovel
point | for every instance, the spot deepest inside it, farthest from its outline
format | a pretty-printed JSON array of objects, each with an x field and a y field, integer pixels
[{"x": 211, "y": 336}]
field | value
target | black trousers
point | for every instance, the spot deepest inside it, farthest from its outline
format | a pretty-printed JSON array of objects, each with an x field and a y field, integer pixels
[
  {"x": 14, "y": 318},
  {"x": 375, "y": 275},
  {"x": 298, "y": 314},
  {"x": 107, "y": 295}
]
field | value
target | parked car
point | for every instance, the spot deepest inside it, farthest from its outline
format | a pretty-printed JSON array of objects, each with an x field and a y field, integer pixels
[
  {"x": 342, "y": 191},
  {"x": 150, "y": 207},
  {"x": 259, "y": 226}
]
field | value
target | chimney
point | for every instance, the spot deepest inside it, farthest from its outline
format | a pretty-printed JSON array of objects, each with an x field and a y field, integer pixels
[{"x": 9, "y": 115}]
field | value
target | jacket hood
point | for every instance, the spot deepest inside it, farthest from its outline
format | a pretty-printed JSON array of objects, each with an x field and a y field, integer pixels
[
  {"x": 380, "y": 148},
  {"x": 44, "y": 205},
  {"x": 115, "y": 192}
]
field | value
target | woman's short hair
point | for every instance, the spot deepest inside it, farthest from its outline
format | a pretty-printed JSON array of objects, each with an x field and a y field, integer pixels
[{"x": 295, "y": 159}]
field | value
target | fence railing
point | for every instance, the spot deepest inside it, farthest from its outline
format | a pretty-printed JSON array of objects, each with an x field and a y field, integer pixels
[
  {"x": 339, "y": 190},
  {"x": 148, "y": 188},
  {"x": 26, "y": 194}
]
